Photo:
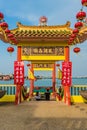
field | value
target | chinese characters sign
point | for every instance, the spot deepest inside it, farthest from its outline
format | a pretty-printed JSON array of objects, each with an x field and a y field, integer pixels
[
  {"x": 66, "y": 73},
  {"x": 39, "y": 50},
  {"x": 19, "y": 72},
  {"x": 43, "y": 65}
]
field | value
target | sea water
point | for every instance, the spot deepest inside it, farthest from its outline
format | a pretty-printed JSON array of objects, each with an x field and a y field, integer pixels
[
  {"x": 48, "y": 82},
  {"x": 45, "y": 83}
]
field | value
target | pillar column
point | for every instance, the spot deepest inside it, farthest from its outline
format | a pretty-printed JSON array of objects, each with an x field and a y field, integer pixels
[
  {"x": 67, "y": 88},
  {"x": 18, "y": 87}
]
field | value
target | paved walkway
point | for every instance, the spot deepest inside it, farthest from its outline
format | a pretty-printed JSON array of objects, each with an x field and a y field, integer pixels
[{"x": 43, "y": 115}]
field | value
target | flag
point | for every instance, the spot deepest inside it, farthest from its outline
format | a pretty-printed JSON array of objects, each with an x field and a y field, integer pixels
[
  {"x": 59, "y": 73},
  {"x": 31, "y": 75}
]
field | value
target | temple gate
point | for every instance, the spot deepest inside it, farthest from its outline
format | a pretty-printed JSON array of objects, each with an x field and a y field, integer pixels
[{"x": 43, "y": 44}]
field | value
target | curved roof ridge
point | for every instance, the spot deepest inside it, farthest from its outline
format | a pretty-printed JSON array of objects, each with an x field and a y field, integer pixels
[{"x": 46, "y": 26}]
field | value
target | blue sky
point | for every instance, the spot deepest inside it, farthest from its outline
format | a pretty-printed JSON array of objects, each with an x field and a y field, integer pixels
[{"x": 28, "y": 12}]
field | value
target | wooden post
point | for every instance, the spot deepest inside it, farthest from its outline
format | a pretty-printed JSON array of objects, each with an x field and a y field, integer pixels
[
  {"x": 18, "y": 87},
  {"x": 67, "y": 88}
]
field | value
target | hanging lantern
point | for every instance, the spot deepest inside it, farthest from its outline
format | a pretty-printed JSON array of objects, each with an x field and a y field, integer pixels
[
  {"x": 1, "y": 16},
  {"x": 4, "y": 25},
  {"x": 12, "y": 38},
  {"x": 75, "y": 31},
  {"x": 15, "y": 41},
  {"x": 71, "y": 39},
  {"x": 78, "y": 25},
  {"x": 43, "y": 20},
  {"x": 84, "y": 2},
  {"x": 58, "y": 65},
  {"x": 70, "y": 42},
  {"x": 7, "y": 31},
  {"x": 81, "y": 15},
  {"x": 10, "y": 35},
  {"x": 28, "y": 65},
  {"x": 10, "y": 49},
  {"x": 73, "y": 36},
  {"x": 76, "y": 49}
]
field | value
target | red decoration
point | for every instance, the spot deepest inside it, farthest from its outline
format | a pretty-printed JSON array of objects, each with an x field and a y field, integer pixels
[
  {"x": 78, "y": 25},
  {"x": 4, "y": 25},
  {"x": 7, "y": 31},
  {"x": 73, "y": 36},
  {"x": 76, "y": 49},
  {"x": 58, "y": 65},
  {"x": 70, "y": 42},
  {"x": 75, "y": 31},
  {"x": 12, "y": 38},
  {"x": 10, "y": 49},
  {"x": 71, "y": 39},
  {"x": 66, "y": 73},
  {"x": 81, "y": 15},
  {"x": 15, "y": 41},
  {"x": 10, "y": 35},
  {"x": 43, "y": 19},
  {"x": 1, "y": 16},
  {"x": 28, "y": 64},
  {"x": 19, "y": 72},
  {"x": 84, "y": 2}
]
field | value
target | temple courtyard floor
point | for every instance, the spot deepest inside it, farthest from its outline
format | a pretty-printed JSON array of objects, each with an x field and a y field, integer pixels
[{"x": 43, "y": 115}]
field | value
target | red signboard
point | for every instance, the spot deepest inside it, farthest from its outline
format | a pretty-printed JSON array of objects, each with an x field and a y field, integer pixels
[
  {"x": 66, "y": 73},
  {"x": 19, "y": 72}
]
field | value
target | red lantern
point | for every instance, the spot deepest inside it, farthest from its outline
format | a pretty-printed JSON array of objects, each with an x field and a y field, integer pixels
[
  {"x": 4, "y": 25},
  {"x": 71, "y": 39},
  {"x": 10, "y": 49},
  {"x": 43, "y": 19},
  {"x": 70, "y": 42},
  {"x": 10, "y": 35},
  {"x": 78, "y": 25},
  {"x": 73, "y": 36},
  {"x": 76, "y": 49},
  {"x": 58, "y": 65},
  {"x": 15, "y": 41},
  {"x": 1, "y": 16},
  {"x": 84, "y": 2},
  {"x": 12, "y": 38},
  {"x": 28, "y": 65},
  {"x": 75, "y": 31},
  {"x": 81, "y": 15},
  {"x": 7, "y": 31}
]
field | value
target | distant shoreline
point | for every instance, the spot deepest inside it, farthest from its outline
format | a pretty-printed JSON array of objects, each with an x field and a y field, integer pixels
[{"x": 11, "y": 76}]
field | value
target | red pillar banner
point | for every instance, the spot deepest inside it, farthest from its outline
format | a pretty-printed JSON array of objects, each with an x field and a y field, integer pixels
[
  {"x": 18, "y": 72},
  {"x": 66, "y": 73}
]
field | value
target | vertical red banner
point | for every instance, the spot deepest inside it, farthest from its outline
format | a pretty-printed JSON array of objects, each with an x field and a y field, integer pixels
[
  {"x": 19, "y": 72},
  {"x": 66, "y": 73}
]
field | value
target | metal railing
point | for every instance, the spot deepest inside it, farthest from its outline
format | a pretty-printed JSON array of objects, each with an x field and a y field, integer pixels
[
  {"x": 9, "y": 88},
  {"x": 75, "y": 89}
]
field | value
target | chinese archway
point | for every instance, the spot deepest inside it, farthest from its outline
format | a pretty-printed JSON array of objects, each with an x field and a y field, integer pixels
[{"x": 43, "y": 44}]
